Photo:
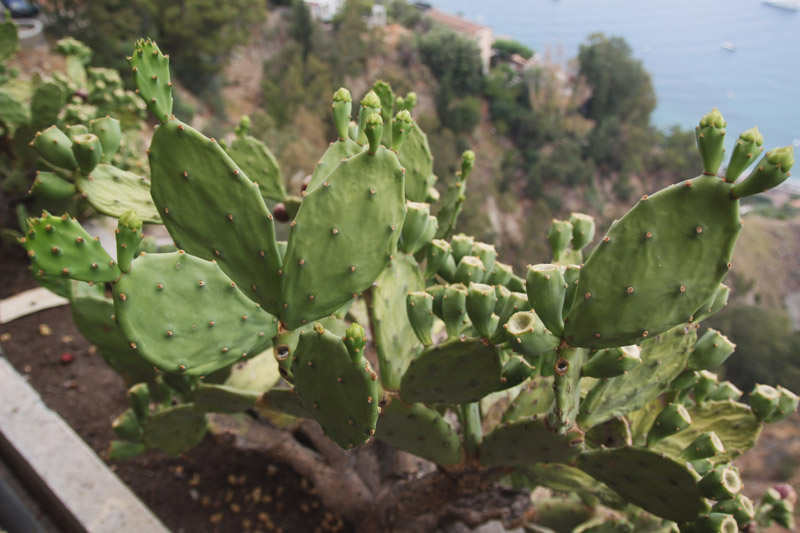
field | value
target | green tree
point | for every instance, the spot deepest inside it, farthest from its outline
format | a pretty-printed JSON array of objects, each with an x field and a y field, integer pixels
[
  {"x": 620, "y": 85},
  {"x": 505, "y": 48},
  {"x": 454, "y": 60},
  {"x": 302, "y": 27}
]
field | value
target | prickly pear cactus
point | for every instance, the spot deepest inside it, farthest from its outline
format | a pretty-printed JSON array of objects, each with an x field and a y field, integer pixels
[{"x": 586, "y": 376}]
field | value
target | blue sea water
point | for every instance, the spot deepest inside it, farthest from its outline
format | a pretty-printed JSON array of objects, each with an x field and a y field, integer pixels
[{"x": 680, "y": 44}]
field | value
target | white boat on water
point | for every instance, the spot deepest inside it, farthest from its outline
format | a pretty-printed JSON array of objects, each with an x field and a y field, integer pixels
[
  {"x": 794, "y": 5},
  {"x": 729, "y": 46}
]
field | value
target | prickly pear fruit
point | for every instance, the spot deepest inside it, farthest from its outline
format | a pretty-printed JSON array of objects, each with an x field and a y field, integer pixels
[
  {"x": 55, "y": 147},
  {"x": 454, "y": 309},
  {"x": 419, "y": 305},
  {"x": 703, "y": 447},
  {"x": 109, "y": 131},
  {"x": 611, "y": 362},
  {"x": 480, "y": 303},
  {"x": 711, "y": 350},
  {"x": 722, "y": 483},
  {"x": 546, "y": 290},
  {"x": 528, "y": 336},
  {"x": 435, "y": 256},
  {"x": 128, "y": 237}
]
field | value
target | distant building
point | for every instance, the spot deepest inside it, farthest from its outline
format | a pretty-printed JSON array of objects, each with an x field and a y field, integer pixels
[
  {"x": 324, "y": 10},
  {"x": 481, "y": 34},
  {"x": 377, "y": 17}
]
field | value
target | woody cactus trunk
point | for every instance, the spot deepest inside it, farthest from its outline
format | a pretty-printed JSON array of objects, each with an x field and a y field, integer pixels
[{"x": 404, "y": 349}]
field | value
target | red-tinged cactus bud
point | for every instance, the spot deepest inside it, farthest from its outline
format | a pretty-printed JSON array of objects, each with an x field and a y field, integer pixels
[
  {"x": 787, "y": 492},
  {"x": 419, "y": 307},
  {"x": 374, "y": 130},
  {"x": 722, "y": 483},
  {"x": 401, "y": 128},
  {"x": 342, "y": 109},
  {"x": 355, "y": 339},
  {"x": 748, "y": 147},
  {"x": 771, "y": 171},
  {"x": 710, "y": 136},
  {"x": 673, "y": 419},
  {"x": 83, "y": 94},
  {"x": 280, "y": 213}
]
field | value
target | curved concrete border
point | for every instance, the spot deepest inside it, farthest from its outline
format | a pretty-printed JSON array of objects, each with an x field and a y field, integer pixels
[{"x": 47, "y": 453}]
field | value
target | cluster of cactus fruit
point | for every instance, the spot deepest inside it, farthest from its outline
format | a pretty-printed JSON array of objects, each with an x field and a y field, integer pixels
[{"x": 586, "y": 375}]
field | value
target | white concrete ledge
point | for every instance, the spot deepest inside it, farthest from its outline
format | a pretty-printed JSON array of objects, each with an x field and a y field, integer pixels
[{"x": 94, "y": 497}]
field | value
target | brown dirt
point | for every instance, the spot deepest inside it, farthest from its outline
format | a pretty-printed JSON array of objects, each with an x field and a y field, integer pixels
[{"x": 211, "y": 488}]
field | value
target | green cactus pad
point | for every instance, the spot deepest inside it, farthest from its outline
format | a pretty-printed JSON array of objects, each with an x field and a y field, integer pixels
[
  {"x": 55, "y": 147},
  {"x": 46, "y": 103},
  {"x": 12, "y": 112},
  {"x": 60, "y": 247},
  {"x": 121, "y": 450},
  {"x": 127, "y": 426},
  {"x": 568, "y": 479},
  {"x": 525, "y": 442},
  {"x": 335, "y": 154},
  {"x": 112, "y": 191},
  {"x": 714, "y": 304},
  {"x": 458, "y": 371},
  {"x": 109, "y": 131},
  {"x": 516, "y": 370},
  {"x": 256, "y": 160},
  {"x": 658, "y": 484},
  {"x": 212, "y": 210},
  {"x": 677, "y": 246},
  {"x": 92, "y": 313},
  {"x": 342, "y": 395},
  {"x": 223, "y": 399},
  {"x": 185, "y": 315},
  {"x": 49, "y": 185},
  {"x": 284, "y": 401},
  {"x": 285, "y": 344},
  {"x": 175, "y": 429},
  {"x": 613, "y": 433},
  {"x": 733, "y": 423},
  {"x": 343, "y": 236},
  {"x": 535, "y": 398},
  {"x": 419, "y": 430},
  {"x": 395, "y": 339},
  {"x": 663, "y": 359},
  {"x": 151, "y": 73},
  {"x": 259, "y": 373},
  {"x": 415, "y": 156}
]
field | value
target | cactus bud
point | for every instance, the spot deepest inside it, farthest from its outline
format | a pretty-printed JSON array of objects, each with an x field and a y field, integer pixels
[
  {"x": 747, "y": 147},
  {"x": 109, "y": 131},
  {"x": 342, "y": 108},
  {"x": 740, "y": 507},
  {"x": 582, "y": 230},
  {"x": 705, "y": 446},
  {"x": 128, "y": 237},
  {"x": 401, "y": 128},
  {"x": 454, "y": 308},
  {"x": 710, "y": 351},
  {"x": 716, "y": 523},
  {"x": 374, "y": 130},
  {"x": 710, "y": 136},
  {"x": 369, "y": 104},
  {"x": 611, "y": 362},
  {"x": 56, "y": 148},
  {"x": 705, "y": 386},
  {"x": 411, "y": 101},
  {"x": 559, "y": 236},
  {"x": 419, "y": 306},
  {"x": 527, "y": 336},
  {"x": 462, "y": 245},
  {"x": 673, "y": 419},
  {"x": 764, "y": 401},
  {"x": 88, "y": 151},
  {"x": 355, "y": 339},
  {"x": 470, "y": 269},
  {"x": 436, "y": 254},
  {"x": 546, "y": 289},
  {"x": 467, "y": 163},
  {"x": 722, "y": 483},
  {"x": 787, "y": 404},
  {"x": 481, "y": 300},
  {"x": 771, "y": 171},
  {"x": 243, "y": 127}
]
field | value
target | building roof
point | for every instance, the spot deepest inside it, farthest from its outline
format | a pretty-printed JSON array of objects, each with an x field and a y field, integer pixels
[{"x": 457, "y": 23}]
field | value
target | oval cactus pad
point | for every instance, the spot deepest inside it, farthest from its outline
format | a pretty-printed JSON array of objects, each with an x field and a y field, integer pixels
[{"x": 184, "y": 314}]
